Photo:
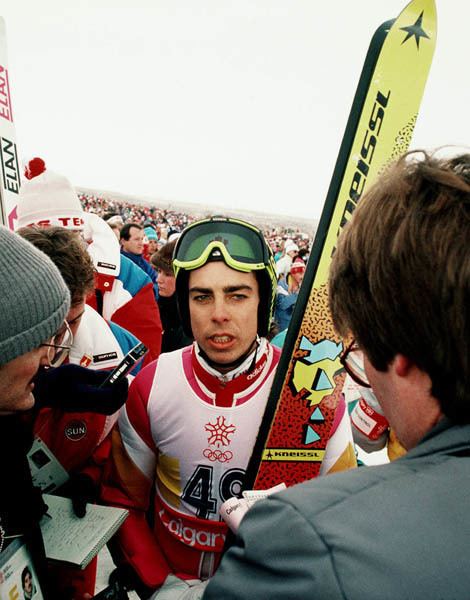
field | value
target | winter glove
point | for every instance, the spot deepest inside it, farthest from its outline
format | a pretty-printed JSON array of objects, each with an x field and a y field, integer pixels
[
  {"x": 81, "y": 489},
  {"x": 76, "y": 389}
]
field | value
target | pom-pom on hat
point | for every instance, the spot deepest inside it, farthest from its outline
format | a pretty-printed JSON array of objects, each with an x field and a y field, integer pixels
[
  {"x": 35, "y": 167},
  {"x": 47, "y": 199},
  {"x": 34, "y": 300}
]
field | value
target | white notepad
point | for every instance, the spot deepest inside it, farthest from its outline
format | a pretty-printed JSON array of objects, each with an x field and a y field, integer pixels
[{"x": 67, "y": 538}]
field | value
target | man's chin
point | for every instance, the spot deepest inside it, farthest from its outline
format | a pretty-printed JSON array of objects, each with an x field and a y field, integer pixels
[
  {"x": 221, "y": 360},
  {"x": 225, "y": 361},
  {"x": 26, "y": 403}
]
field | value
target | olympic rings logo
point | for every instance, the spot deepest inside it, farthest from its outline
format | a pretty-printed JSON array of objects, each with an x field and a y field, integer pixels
[{"x": 218, "y": 455}]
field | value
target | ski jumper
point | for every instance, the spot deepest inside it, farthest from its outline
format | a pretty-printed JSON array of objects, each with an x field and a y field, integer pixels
[{"x": 188, "y": 432}]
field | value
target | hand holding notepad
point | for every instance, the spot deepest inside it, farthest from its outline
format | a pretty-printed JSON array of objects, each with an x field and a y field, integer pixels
[{"x": 70, "y": 539}]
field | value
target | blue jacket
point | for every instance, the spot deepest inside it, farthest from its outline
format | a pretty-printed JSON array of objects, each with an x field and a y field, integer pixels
[
  {"x": 140, "y": 261},
  {"x": 397, "y": 531},
  {"x": 284, "y": 306}
]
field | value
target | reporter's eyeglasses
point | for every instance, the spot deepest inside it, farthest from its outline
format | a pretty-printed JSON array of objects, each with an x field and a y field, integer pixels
[
  {"x": 352, "y": 360},
  {"x": 59, "y": 345}
]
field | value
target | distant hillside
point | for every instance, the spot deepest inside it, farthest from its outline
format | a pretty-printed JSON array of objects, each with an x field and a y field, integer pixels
[{"x": 307, "y": 226}]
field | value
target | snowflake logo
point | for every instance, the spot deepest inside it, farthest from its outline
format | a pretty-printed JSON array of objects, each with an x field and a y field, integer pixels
[{"x": 219, "y": 432}]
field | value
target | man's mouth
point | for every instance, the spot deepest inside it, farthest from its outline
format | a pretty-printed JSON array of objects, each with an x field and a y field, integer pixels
[
  {"x": 221, "y": 339},
  {"x": 221, "y": 342}
]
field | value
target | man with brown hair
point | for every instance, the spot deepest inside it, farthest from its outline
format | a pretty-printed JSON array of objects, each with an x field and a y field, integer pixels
[
  {"x": 69, "y": 255},
  {"x": 400, "y": 285}
]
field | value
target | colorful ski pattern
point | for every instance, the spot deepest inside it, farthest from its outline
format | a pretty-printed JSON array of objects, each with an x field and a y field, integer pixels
[{"x": 301, "y": 408}]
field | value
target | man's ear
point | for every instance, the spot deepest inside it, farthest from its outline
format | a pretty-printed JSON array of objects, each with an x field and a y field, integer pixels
[{"x": 402, "y": 365}]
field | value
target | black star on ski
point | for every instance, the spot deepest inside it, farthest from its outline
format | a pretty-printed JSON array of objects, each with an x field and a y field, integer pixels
[{"x": 415, "y": 30}]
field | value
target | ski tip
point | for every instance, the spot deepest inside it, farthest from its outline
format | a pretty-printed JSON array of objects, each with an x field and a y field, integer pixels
[{"x": 419, "y": 21}]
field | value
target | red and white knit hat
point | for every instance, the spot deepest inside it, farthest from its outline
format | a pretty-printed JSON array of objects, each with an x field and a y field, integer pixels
[
  {"x": 47, "y": 199},
  {"x": 298, "y": 266}
]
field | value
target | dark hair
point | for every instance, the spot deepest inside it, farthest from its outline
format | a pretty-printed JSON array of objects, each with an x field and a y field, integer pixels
[
  {"x": 67, "y": 251},
  {"x": 126, "y": 230},
  {"x": 163, "y": 258},
  {"x": 110, "y": 215},
  {"x": 400, "y": 276},
  {"x": 26, "y": 571}
]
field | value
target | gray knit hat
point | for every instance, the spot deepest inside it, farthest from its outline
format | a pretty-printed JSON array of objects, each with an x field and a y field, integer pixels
[{"x": 34, "y": 299}]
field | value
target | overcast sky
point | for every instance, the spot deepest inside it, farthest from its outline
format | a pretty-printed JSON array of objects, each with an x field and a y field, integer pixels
[{"x": 238, "y": 103}]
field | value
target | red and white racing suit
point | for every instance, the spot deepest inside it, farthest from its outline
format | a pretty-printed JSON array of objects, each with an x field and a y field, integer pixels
[{"x": 188, "y": 432}]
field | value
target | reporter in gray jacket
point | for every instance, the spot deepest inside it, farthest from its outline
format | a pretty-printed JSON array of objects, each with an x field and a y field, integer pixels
[{"x": 400, "y": 284}]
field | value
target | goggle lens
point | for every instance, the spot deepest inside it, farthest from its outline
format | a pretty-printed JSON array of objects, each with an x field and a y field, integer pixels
[{"x": 243, "y": 244}]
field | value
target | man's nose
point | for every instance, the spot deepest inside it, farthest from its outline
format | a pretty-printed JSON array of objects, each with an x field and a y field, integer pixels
[{"x": 220, "y": 312}]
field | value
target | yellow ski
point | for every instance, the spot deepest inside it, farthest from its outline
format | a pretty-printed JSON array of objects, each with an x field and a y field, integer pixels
[{"x": 301, "y": 408}]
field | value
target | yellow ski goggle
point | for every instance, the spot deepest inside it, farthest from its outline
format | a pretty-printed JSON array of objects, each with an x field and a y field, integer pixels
[{"x": 239, "y": 244}]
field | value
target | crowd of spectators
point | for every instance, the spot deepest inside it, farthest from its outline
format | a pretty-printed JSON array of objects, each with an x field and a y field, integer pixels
[{"x": 167, "y": 221}]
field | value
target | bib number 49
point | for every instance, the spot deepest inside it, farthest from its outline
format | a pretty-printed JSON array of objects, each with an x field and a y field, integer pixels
[{"x": 199, "y": 493}]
